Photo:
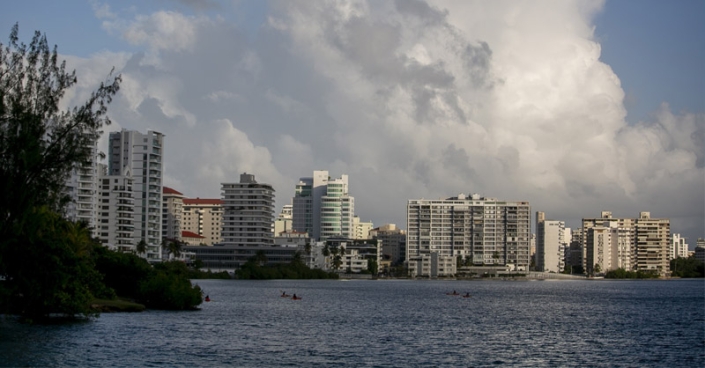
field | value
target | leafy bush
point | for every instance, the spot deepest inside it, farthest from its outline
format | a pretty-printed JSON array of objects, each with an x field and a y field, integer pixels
[{"x": 168, "y": 290}]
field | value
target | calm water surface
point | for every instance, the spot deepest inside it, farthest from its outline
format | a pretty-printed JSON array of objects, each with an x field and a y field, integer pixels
[{"x": 389, "y": 323}]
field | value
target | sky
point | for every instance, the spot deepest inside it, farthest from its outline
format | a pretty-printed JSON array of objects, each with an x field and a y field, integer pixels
[{"x": 574, "y": 106}]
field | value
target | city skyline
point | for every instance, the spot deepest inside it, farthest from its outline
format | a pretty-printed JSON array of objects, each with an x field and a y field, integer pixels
[{"x": 411, "y": 100}]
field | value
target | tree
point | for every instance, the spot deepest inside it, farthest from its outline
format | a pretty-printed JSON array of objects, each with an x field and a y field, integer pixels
[
  {"x": 141, "y": 247},
  {"x": 337, "y": 261},
  {"x": 372, "y": 266},
  {"x": 596, "y": 269},
  {"x": 39, "y": 143},
  {"x": 50, "y": 271},
  {"x": 175, "y": 248},
  {"x": 44, "y": 258}
]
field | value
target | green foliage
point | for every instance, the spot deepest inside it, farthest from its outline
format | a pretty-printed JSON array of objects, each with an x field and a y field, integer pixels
[
  {"x": 39, "y": 143},
  {"x": 44, "y": 258},
  {"x": 46, "y": 273},
  {"x": 687, "y": 267},
  {"x": 621, "y": 273},
  {"x": 169, "y": 288},
  {"x": 372, "y": 266},
  {"x": 164, "y": 286},
  {"x": 141, "y": 247},
  {"x": 122, "y": 272}
]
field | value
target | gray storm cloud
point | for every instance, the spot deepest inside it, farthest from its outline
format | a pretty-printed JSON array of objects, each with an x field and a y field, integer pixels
[{"x": 411, "y": 99}]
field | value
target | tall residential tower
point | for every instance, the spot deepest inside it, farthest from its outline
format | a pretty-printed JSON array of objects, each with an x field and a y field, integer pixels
[
  {"x": 482, "y": 231},
  {"x": 143, "y": 155},
  {"x": 323, "y": 207}
]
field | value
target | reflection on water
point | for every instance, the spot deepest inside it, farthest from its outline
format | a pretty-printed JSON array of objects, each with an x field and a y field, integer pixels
[{"x": 389, "y": 323}]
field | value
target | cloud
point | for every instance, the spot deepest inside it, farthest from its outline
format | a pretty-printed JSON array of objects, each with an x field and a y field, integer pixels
[{"x": 412, "y": 100}]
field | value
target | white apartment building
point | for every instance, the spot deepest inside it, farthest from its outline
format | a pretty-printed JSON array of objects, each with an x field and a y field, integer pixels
[
  {"x": 393, "y": 242},
  {"x": 432, "y": 265},
  {"x": 172, "y": 213},
  {"x": 143, "y": 154},
  {"x": 641, "y": 243},
  {"x": 204, "y": 217},
  {"x": 284, "y": 221},
  {"x": 323, "y": 207},
  {"x": 361, "y": 230},
  {"x": 598, "y": 254},
  {"x": 481, "y": 231},
  {"x": 82, "y": 187},
  {"x": 551, "y": 244},
  {"x": 679, "y": 247},
  {"x": 248, "y": 212},
  {"x": 652, "y": 243},
  {"x": 116, "y": 211},
  {"x": 621, "y": 249}
]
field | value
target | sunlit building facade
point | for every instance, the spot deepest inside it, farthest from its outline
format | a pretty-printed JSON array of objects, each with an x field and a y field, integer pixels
[{"x": 479, "y": 230}]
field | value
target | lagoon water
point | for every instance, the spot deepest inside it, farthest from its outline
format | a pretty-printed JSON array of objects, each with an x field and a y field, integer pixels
[{"x": 389, "y": 323}]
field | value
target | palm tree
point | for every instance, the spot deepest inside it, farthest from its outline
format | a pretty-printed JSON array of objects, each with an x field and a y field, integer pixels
[
  {"x": 175, "y": 248},
  {"x": 79, "y": 239},
  {"x": 141, "y": 247}
]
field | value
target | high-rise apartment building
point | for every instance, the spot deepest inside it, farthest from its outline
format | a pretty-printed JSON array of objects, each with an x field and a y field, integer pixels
[
  {"x": 82, "y": 187},
  {"x": 641, "y": 243},
  {"x": 323, "y": 207},
  {"x": 248, "y": 212},
  {"x": 204, "y": 217},
  {"x": 551, "y": 244},
  {"x": 679, "y": 247},
  {"x": 652, "y": 243},
  {"x": 172, "y": 213},
  {"x": 143, "y": 154},
  {"x": 116, "y": 209},
  {"x": 483, "y": 231}
]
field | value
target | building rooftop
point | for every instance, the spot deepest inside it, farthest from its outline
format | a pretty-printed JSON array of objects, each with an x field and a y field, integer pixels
[
  {"x": 202, "y": 201},
  {"x": 189, "y": 234},
  {"x": 167, "y": 190}
]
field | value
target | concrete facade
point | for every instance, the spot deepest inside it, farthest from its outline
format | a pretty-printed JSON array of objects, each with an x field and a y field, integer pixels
[
  {"x": 248, "y": 212},
  {"x": 143, "y": 154},
  {"x": 204, "y": 216},
  {"x": 172, "y": 213},
  {"x": 116, "y": 211},
  {"x": 551, "y": 244},
  {"x": 393, "y": 242},
  {"x": 641, "y": 243},
  {"x": 481, "y": 231}
]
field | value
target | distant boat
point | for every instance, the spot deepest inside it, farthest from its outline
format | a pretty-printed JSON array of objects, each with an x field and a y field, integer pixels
[
  {"x": 295, "y": 297},
  {"x": 208, "y": 298}
]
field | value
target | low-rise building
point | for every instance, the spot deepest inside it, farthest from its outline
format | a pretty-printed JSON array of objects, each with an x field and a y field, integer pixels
[{"x": 432, "y": 265}]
